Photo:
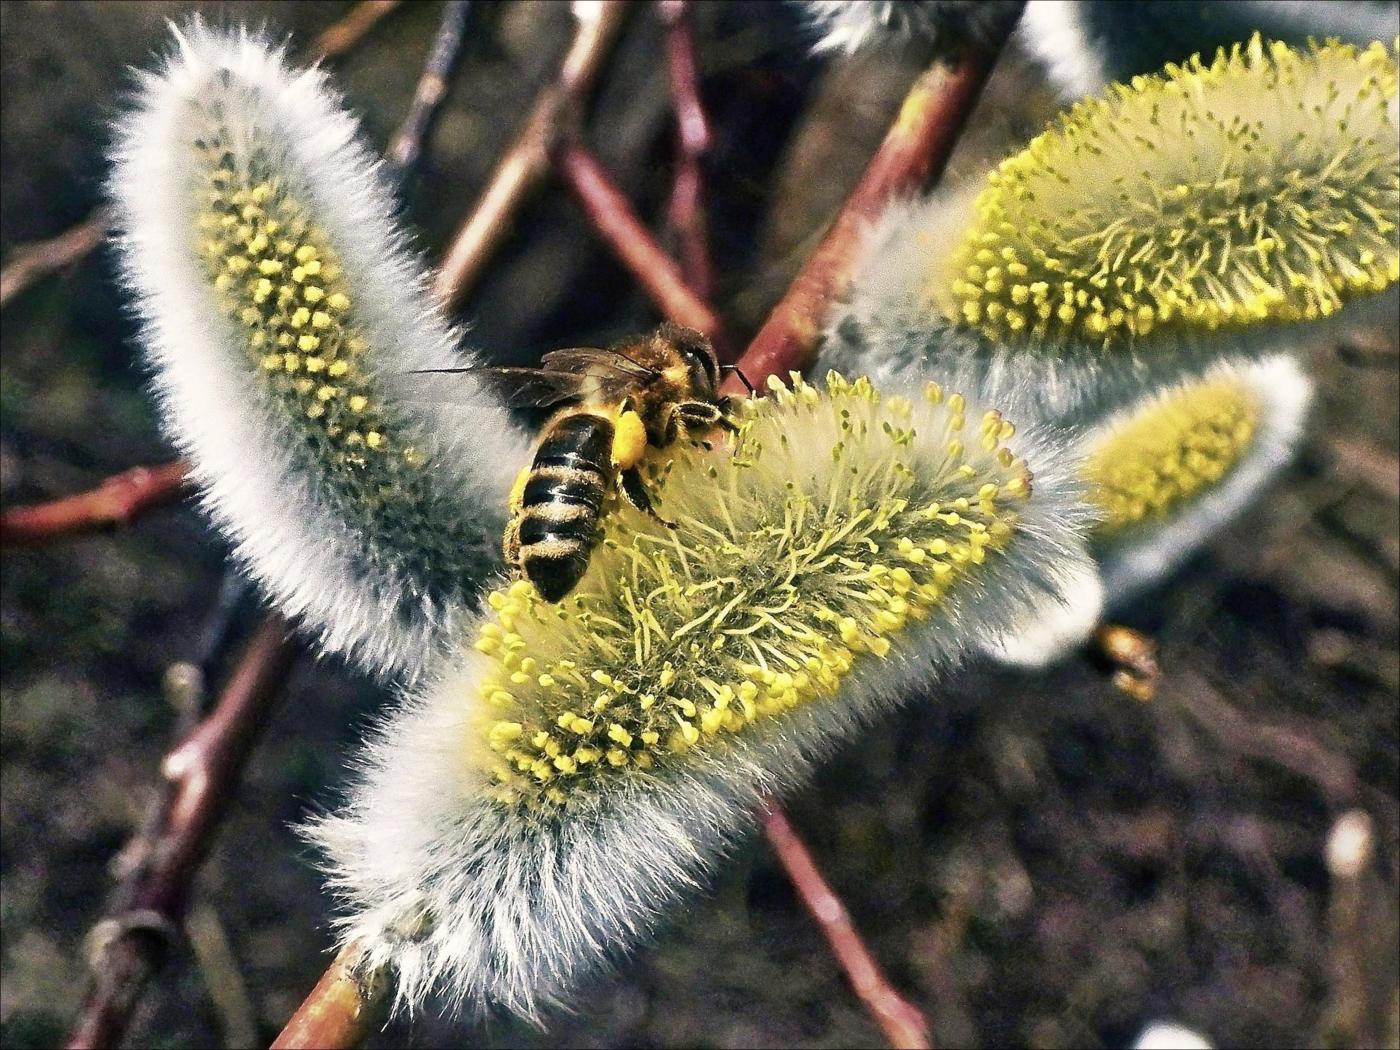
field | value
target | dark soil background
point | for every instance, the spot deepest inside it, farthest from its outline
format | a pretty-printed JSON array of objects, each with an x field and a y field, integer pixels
[{"x": 1036, "y": 861}]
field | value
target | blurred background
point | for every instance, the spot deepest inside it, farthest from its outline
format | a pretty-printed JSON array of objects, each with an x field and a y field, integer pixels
[{"x": 1035, "y": 860}]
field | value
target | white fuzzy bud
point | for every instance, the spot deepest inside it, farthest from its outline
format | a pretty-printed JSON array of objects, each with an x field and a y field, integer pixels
[{"x": 277, "y": 298}]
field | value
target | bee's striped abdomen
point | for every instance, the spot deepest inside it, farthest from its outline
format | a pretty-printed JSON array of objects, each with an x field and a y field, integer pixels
[{"x": 558, "y": 519}]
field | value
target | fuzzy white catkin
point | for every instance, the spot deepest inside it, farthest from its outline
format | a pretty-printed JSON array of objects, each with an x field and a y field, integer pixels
[
  {"x": 504, "y": 888},
  {"x": 850, "y": 25},
  {"x": 372, "y": 519},
  {"x": 1085, "y": 45}
]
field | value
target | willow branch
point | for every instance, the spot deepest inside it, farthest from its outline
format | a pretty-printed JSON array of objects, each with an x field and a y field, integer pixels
[
  {"x": 612, "y": 216},
  {"x": 36, "y": 260},
  {"x": 524, "y": 165},
  {"x": 406, "y": 149},
  {"x": 133, "y": 941},
  {"x": 914, "y": 152},
  {"x": 902, "y": 1023},
  {"x": 686, "y": 211},
  {"x": 117, "y": 501},
  {"x": 339, "y": 37}
]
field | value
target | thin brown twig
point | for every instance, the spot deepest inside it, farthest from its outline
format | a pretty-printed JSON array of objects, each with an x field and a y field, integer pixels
[
  {"x": 406, "y": 148},
  {"x": 28, "y": 264},
  {"x": 914, "y": 151},
  {"x": 341, "y": 36},
  {"x": 200, "y": 772},
  {"x": 902, "y": 1023},
  {"x": 526, "y": 162},
  {"x": 612, "y": 216},
  {"x": 686, "y": 210},
  {"x": 117, "y": 501},
  {"x": 1363, "y": 923},
  {"x": 33, "y": 261}
]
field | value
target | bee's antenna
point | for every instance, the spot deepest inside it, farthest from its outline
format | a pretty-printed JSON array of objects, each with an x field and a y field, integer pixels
[{"x": 742, "y": 378}]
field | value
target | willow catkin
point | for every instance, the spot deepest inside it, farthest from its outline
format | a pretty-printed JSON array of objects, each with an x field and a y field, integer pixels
[
  {"x": 578, "y": 767},
  {"x": 277, "y": 298}
]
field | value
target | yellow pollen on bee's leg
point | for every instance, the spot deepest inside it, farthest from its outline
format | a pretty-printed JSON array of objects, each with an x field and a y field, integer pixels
[{"x": 629, "y": 440}]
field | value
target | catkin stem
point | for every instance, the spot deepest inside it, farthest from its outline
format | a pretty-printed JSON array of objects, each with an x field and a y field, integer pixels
[{"x": 341, "y": 1009}]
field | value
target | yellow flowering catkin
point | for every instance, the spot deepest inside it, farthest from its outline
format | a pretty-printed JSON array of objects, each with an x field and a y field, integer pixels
[
  {"x": 1170, "y": 452},
  {"x": 760, "y": 601},
  {"x": 277, "y": 276},
  {"x": 1261, "y": 186}
]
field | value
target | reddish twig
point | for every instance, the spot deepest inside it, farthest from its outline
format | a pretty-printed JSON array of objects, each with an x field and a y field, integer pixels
[
  {"x": 117, "y": 501},
  {"x": 685, "y": 213},
  {"x": 339, "y": 37},
  {"x": 33, "y": 261},
  {"x": 612, "y": 216},
  {"x": 914, "y": 152},
  {"x": 132, "y": 942},
  {"x": 406, "y": 148},
  {"x": 902, "y": 1023},
  {"x": 30, "y": 263},
  {"x": 526, "y": 162},
  {"x": 340, "y": 1010}
]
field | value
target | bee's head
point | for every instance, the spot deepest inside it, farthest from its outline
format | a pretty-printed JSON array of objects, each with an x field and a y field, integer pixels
[{"x": 702, "y": 366}]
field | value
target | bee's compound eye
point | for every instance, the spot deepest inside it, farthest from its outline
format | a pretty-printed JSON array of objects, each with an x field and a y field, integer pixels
[{"x": 697, "y": 353}]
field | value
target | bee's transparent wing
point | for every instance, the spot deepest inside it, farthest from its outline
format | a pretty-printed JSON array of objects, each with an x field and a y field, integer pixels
[
  {"x": 595, "y": 362},
  {"x": 573, "y": 374},
  {"x": 515, "y": 387}
]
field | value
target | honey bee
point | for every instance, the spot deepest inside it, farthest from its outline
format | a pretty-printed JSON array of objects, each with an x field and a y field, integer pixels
[{"x": 645, "y": 391}]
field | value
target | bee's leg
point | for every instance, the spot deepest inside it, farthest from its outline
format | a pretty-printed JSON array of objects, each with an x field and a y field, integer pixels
[
  {"x": 701, "y": 415},
  {"x": 634, "y": 491},
  {"x": 724, "y": 422},
  {"x": 671, "y": 428},
  {"x": 510, "y": 543}
]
